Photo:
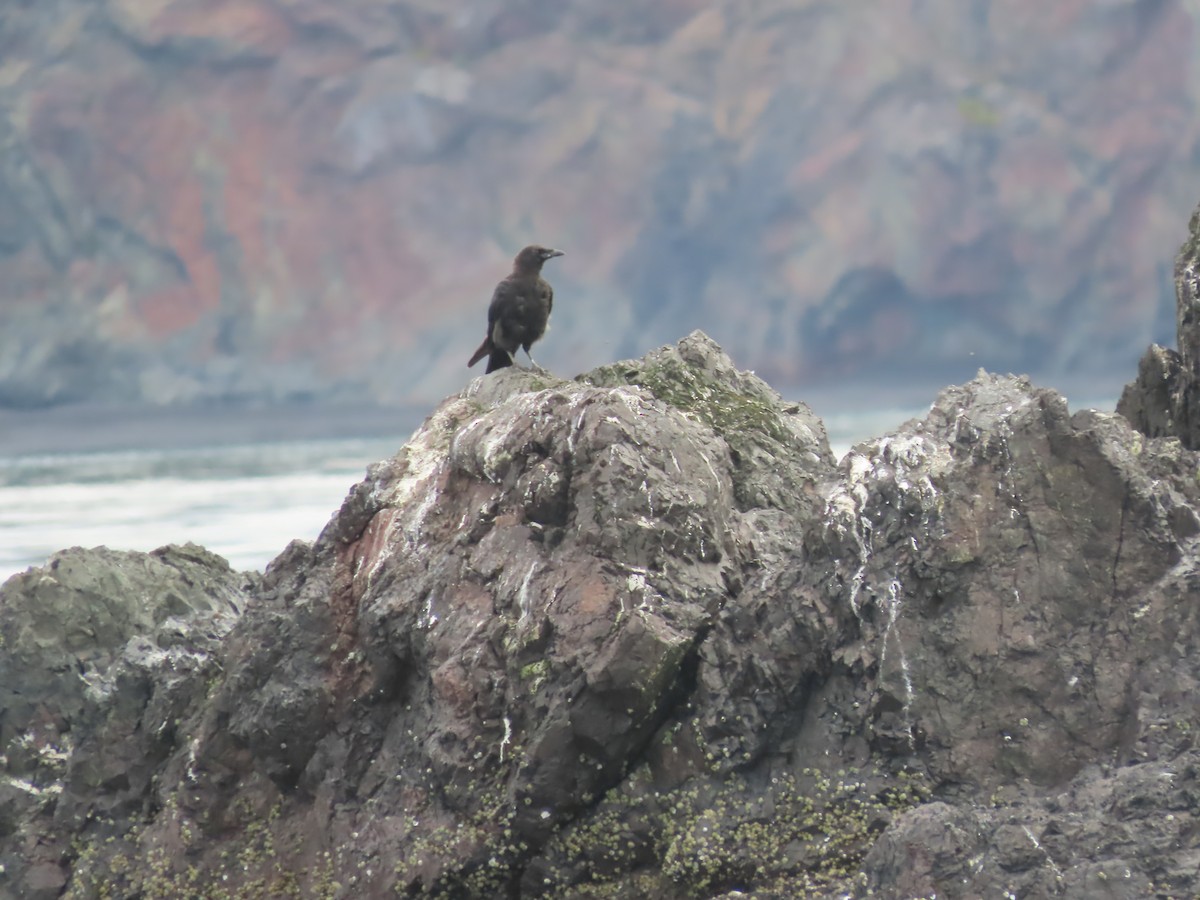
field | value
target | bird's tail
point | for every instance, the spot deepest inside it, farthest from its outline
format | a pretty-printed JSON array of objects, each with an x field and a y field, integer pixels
[
  {"x": 499, "y": 359},
  {"x": 484, "y": 349}
]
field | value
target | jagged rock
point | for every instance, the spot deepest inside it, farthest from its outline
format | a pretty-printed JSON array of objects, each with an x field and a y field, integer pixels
[
  {"x": 102, "y": 655},
  {"x": 1164, "y": 400},
  {"x": 639, "y": 634},
  {"x": 1151, "y": 402}
]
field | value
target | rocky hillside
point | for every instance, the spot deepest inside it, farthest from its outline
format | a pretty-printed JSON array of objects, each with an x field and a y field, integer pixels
[
  {"x": 640, "y": 635},
  {"x": 267, "y": 200}
]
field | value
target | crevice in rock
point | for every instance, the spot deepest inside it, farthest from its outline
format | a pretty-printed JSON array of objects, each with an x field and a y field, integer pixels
[
  {"x": 674, "y": 705},
  {"x": 1120, "y": 540}
]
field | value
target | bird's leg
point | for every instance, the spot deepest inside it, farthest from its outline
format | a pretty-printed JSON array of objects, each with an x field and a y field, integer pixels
[{"x": 536, "y": 367}]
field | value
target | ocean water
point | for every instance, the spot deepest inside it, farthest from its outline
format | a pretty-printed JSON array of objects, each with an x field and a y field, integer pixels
[{"x": 245, "y": 502}]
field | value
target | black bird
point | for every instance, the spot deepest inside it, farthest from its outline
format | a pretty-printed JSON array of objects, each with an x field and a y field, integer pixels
[{"x": 519, "y": 310}]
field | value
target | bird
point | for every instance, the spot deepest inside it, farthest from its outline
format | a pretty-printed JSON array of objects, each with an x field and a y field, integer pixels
[{"x": 519, "y": 310}]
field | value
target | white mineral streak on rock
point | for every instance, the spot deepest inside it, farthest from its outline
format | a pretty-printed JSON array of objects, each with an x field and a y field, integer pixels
[
  {"x": 885, "y": 472},
  {"x": 507, "y": 739},
  {"x": 524, "y": 599}
]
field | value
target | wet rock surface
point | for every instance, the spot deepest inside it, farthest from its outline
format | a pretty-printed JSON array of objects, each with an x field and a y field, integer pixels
[{"x": 640, "y": 634}]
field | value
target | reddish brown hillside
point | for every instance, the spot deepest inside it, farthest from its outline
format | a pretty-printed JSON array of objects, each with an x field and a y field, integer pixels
[{"x": 270, "y": 198}]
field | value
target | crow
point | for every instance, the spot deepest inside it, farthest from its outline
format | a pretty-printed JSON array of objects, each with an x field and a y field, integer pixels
[{"x": 519, "y": 310}]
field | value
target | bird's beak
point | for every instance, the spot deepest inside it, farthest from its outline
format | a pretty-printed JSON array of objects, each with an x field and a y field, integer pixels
[{"x": 550, "y": 254}]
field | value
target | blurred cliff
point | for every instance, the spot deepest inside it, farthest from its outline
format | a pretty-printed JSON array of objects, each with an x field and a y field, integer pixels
[{"x": 270, "y": 200}]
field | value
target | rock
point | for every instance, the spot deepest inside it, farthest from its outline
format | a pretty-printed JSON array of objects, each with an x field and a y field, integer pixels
[
  {"x": 1164, "y": 401},
  {"x": 923, "y": 850},
  {"x": 1153, "y": 401},
  {"x": 103, "y": 656},
  {"x": 640, "y": 634}
]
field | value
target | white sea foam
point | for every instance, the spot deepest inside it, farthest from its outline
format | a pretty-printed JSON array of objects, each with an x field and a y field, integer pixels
[{"x": 248, "y": 518}]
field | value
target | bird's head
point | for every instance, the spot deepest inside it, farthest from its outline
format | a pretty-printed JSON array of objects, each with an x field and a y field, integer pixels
[{"x": 532, "y": 257}]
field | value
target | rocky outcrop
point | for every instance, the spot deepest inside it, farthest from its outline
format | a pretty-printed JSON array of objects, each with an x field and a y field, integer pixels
[
  {"x": 102, "y": 656},
  {"x": 640, "y": 634},
  {"x": 271, "y": 200},
  {"x": 1164, "y": 400}
]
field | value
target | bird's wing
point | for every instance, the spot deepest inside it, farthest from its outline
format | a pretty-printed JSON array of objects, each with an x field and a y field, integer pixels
[
  {"x": 497, "y": 304},
  {"x": 505, "y": 299},
  {"x": 496, "y": 310},
  {"x": 512, "y": 302}
]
